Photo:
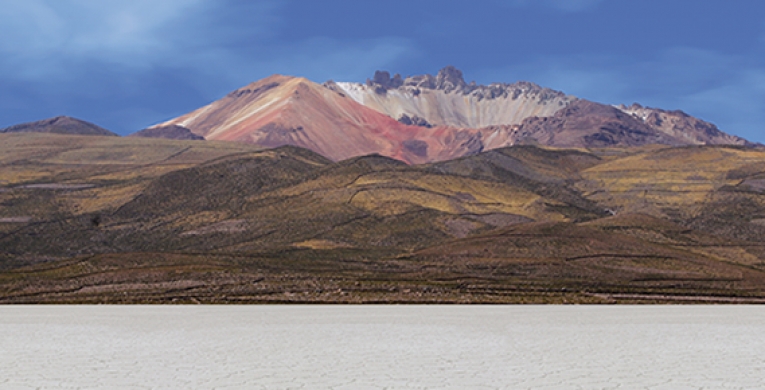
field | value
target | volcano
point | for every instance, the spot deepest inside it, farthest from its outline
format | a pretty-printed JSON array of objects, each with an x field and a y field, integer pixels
[{"x": 425, "y": 118}]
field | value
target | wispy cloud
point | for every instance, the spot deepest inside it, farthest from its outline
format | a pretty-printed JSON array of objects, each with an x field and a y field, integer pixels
[
  {"x": 43, "y": 38},
  {"x": 46, "y": 37},
  {"x": 58, "y": 54},
  {"x": 131, "y": 63},
  {"x": 324, "y": 58},
  {"x": 318, "y": 59},
  {"x": 561, "y": 5}
]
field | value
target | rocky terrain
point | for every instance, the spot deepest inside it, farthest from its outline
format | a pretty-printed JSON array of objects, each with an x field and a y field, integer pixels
[
  {"x": 447, "y": 100},
  {"x": 424, "y": 118},
  {"x": 587, "y": 124},
  {"x": 681, "y": 126},
  {"x": 110, "y": 219}
]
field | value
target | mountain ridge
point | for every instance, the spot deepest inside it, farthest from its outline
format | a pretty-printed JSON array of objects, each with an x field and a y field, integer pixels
[
  {"x": 476, "y": 106},
  {"x": 426, "y": 118},
  {"x": 59, "y": 125},
  {"x": 168, "y": 132},
  {"x": 416, "y": 119}
]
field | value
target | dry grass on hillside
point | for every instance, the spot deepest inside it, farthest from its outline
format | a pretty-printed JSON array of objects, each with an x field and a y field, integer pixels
[{"x": 107, "y": 219}]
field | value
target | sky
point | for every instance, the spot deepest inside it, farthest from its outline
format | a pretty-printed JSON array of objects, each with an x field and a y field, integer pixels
[{"x": 126, "y": 65}]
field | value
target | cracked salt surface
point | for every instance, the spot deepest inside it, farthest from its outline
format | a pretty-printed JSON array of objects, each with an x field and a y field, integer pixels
[{"x": 382, "y": 347}]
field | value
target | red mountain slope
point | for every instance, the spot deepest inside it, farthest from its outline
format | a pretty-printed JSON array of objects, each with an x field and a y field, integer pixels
[{"x": 282, "y": 110}]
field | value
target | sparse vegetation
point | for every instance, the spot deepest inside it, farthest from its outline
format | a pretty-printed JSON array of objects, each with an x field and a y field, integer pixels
[{"x": 130, "y": 220}]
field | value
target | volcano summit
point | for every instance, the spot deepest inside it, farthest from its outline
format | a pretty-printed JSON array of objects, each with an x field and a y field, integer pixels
[{"x": 426, "y": 118}]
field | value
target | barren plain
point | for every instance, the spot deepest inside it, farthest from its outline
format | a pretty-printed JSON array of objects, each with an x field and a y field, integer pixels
[{"x": 382, "y": 347}]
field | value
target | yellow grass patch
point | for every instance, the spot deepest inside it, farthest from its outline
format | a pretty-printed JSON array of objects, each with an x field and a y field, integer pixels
[
  {"x": 320, "y": 244},
  {"x": 202, "y": 219},
  {"x": 95, "y": 199}
]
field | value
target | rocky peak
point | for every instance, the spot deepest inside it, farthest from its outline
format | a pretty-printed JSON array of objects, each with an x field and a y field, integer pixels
[
  {"x": 58, "y": 119},
  {"x": 681, "y": 125},
  {"x": 421, "y": 81},
  {"x": 384, "y": 82},
  {"x": 449, "y": 79},
  {"x": 253, "y": 90}
]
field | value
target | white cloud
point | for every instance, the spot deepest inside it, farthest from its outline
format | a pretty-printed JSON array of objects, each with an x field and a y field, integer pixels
[
  {"x": 39, "y": 27},
  {"x": 216, "y": 43},
  {"x": 54, "y": 37},
  {"x": 121, "y": 61}
]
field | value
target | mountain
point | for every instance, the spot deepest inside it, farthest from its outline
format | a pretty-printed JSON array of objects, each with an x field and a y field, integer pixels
[
  {"x": 283, "y": 110},
  {"x": 447, "y": 100},
  {"x": 59, "y": 125},
  {"x": 425, "y": 118},
  {"x": 683, "y": 127},
  {"x": 167, "y": 132},
  {"x": 586, "y": 124}
]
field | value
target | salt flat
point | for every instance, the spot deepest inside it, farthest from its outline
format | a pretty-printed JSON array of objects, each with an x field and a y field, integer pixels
[{"x": 382, "y": 347}]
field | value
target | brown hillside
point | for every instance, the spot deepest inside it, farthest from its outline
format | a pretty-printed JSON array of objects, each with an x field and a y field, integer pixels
[
  {"x": 108, "y": 219},
  {"x": 168, "y": 132}
]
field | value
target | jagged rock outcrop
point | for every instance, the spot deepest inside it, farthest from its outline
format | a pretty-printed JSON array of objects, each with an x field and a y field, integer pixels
[
  {"x": 382, "y": 81},
  {"x": 414, "y": 120},
  {"x": 59, "y": 125},
  {"x": 447, "y": 100},
  {"x": 450, "y": 79}
]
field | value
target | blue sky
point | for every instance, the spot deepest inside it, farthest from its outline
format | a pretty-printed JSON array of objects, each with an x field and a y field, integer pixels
[{"x": 125, "y": 65}]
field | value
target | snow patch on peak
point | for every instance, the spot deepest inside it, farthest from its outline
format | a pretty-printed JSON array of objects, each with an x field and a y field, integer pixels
[{"x": 635, "y": 110}]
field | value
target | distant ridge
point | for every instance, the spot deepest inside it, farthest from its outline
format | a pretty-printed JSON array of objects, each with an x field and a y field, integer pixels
[
  {"x": 59, "y": 125},
  {"x": 168, "y": 132}
]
